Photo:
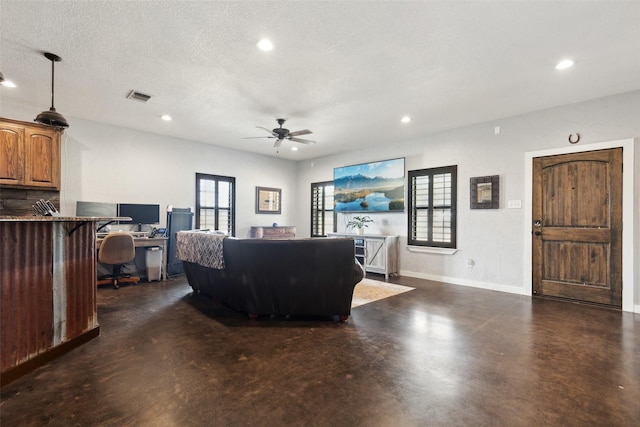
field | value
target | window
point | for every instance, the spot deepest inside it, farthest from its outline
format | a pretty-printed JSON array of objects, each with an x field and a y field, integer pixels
[
  {"x": 322, "y": 213},
  {"x": 432, "y": 207},
  {"x": 216, "y": 203}
]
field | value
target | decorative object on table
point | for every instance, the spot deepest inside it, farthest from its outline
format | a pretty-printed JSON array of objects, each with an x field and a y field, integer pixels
[
  {"x": 375, "y": 186},
  {"x": 52, "y": 117},
  {"x": 268, "y": 200},
  {"x": 359, "y": 223},
  {"x": 45, "y": 208},
  {"x": 485, "y": 192}
]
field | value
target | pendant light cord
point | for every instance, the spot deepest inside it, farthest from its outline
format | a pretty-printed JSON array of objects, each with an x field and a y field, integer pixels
[{"x": 52, "y": 85}]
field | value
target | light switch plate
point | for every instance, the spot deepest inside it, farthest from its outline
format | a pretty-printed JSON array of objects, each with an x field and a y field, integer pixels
[{"x": 514, "y": 204}]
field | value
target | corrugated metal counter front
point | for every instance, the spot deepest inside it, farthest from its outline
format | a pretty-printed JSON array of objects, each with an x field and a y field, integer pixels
[{"x": 48, "y": 289}]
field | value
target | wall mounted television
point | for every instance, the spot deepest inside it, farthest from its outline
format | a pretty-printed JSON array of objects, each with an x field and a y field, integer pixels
[
  {"x": 140, "y": 214},
  {"x": 370, "y": 187}
]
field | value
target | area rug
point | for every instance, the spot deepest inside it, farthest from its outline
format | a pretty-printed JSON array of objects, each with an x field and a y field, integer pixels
[{"x": 373, "y": 290}]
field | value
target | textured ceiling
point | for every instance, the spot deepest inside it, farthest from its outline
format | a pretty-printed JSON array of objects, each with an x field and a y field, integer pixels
[{"x": 346, "y": 70}]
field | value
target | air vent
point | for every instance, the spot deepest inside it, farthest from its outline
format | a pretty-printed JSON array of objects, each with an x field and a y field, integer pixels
[{"x": 138, "y": 96}]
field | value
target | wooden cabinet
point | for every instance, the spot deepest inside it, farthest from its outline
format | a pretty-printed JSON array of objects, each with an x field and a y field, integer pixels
[
  {"x": 376, "y": 252},
  {"x": 11, "y": 154},
  {"x": 29, "y": 155},
  {"x": 282, "y": 232}
]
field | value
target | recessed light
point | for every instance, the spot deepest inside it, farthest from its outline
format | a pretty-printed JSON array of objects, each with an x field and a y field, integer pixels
[
  {"x": 166, "y": 117},
  {"x": 265, "y": 45},
  {"x": 564, "y": 64},
  {"x": 294, "y": 148},
  {"x": 405, "y": 119}
]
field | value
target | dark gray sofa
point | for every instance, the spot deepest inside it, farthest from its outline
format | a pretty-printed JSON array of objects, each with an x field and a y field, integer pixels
[{"x": 314, "y": 277}]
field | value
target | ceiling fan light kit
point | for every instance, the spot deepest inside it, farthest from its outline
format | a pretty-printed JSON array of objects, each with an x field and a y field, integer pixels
[{"x": 52, "y": 117}]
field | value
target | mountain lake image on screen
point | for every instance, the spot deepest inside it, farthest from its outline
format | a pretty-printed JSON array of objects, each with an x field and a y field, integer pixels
[{"x": 370, "y": 187}]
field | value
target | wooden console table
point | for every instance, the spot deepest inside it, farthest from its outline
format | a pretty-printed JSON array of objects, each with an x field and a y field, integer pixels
[
  {"x": 279, "y": 232},
  {"x": 377, "y": 253}
]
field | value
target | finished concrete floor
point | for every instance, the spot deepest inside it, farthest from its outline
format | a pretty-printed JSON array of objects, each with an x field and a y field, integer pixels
[{"x": 440, "y": 355}]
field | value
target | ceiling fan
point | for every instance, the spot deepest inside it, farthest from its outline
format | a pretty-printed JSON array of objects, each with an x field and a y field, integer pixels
[{"x": 280, "y": 134}]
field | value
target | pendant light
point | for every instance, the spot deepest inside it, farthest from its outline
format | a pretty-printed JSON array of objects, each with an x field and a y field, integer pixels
[{"x": 52, "y": 117}]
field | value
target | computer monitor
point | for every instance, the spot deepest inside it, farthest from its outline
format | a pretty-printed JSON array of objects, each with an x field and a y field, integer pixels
[
  {"x": 97, "y": 209},
  {"x": 140, "y": 214}
]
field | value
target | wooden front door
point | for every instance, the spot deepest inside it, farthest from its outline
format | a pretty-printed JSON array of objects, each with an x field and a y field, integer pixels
[{"x": 577, "y": 226}]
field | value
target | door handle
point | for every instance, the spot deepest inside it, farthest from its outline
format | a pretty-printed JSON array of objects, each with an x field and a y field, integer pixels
[{"x": 537, "y": 224}]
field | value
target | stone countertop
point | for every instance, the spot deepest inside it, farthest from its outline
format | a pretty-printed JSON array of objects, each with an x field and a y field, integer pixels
[{"x": 34, "y": 218}]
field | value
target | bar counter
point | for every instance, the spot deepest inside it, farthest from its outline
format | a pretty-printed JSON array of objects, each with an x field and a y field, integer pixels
[{"x": 47, "y": 289}]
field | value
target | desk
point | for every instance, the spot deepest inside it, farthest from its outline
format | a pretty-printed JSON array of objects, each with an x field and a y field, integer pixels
[{"x": 147, "y": 242}]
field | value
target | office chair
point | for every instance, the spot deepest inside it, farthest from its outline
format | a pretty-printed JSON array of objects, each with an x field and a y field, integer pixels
[{"x": 117, "y": 249}]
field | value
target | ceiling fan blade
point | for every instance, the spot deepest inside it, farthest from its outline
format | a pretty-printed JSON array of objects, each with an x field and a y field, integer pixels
[
  {"x": 303, "y": 141},
  {"x": 300, "y": 132},
  {"x": 268, "y": 130},
  {"x": 278, "y": 143},
  {"x": 256, "y": 137}
]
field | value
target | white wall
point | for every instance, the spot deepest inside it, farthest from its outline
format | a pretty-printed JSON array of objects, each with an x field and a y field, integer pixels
[
  {"x": 104, "y": 163},
  {"x": 110, "y": 164},
  {"x": 492, "y": 238}
]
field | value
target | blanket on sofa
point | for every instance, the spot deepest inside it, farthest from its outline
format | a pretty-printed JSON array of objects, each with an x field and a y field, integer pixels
[{"x": 204, "y": 248}]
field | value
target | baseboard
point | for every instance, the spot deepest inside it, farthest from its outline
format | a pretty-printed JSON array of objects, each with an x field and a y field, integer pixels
[
  {"x": 24, "y": 368},
  {"x": 470, "y": 283}
]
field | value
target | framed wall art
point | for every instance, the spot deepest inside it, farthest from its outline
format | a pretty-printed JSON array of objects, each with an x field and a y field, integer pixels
[
  {"x": 371, "y": 187},
  {"x": 268, "y": 200},
  {"x": 485, "y": 192}
]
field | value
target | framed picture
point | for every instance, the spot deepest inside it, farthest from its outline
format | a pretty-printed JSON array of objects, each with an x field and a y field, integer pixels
[
  {"x": 485, "y": 192},
  {"x": 370, "y": 187},
  {"x": 268, "y": 200}
]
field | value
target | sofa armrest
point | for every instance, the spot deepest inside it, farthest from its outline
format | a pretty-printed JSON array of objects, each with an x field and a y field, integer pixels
[{"x": 358, "y": 272}]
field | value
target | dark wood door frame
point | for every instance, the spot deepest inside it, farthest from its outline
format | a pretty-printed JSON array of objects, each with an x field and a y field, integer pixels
[{"x": 631, "y": 231}]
